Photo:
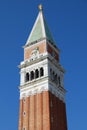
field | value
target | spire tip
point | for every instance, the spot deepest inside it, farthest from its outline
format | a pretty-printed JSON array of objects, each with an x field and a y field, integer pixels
[{"x": 40, "y": 7}]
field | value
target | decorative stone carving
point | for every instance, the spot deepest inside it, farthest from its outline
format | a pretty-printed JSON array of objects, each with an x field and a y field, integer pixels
[{"x": 34, "y": 53}]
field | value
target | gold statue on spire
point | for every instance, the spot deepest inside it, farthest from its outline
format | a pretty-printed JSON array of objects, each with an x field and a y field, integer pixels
[{"x": 40, "y": 7}]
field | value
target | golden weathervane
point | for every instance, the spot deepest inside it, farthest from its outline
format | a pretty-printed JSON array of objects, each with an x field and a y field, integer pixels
[{"x": 40, "y": 7}]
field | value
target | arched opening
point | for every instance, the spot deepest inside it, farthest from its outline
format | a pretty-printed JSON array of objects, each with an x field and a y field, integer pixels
[
  {"x": 50, "y": 71},
  {"x": 41, "y": 72},
  {"x": 59, "y": 81},
  {"x": 32, "y": 75},
  {"x": 36, "y": 73},
  {"x": 55, "y": 78},
  {"x": 27, "y": 77}
]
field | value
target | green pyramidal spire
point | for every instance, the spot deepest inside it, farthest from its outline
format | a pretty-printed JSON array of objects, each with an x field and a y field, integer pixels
[{"x": 40, "y": 29}]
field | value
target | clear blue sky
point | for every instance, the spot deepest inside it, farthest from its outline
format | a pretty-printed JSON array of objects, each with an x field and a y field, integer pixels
[{"x": 67, "y": 20}]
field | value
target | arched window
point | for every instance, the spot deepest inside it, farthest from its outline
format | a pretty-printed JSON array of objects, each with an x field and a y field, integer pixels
[
  {"x": 55, "y": 78},
  {"x": 53, "y": 75},
  {"x": 27, "y": 77},
  {"x": 41, "y": 72},
  {"x": 59, "y": 81},
  {"x": 32, "y": 75},
  {"x": 50, "y": 70},
  {"x": 36, "y": 73}
]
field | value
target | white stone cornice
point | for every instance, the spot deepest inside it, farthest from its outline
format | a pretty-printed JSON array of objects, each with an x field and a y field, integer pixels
[
  {"x": 40, "y": 41},
  {"x": 42, "y": 57},
  {"x": 41, "y": 86},
  {"x": 58, "y": 92}
]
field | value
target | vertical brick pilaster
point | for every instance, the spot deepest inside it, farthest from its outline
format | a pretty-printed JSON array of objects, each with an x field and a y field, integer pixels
[
  {"x": 39, "y": 112},
  {"x": 64, "y": 115},
  {"x": 24, "y": 116},
  {"x": 56, "y": 114},
  {"x": 41, "y": 102},
  {"x": 46, "y": 112},
  {"x": 20, "y": 115},
  {"x": 35, "y": 113},
  {"x": 59, "y": 114},
  {"x": 27, "y": 113},
  {"x": 31, "y": 114}
]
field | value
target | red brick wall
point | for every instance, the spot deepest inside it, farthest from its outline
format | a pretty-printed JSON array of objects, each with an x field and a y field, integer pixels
[
  {"x": 43, "y": 111},
  {"x": 28, "y": 51},
  {"x": 57, "y": 113},
  {"x": 37, "y": 115},
  {"x": 20, "y": 115},
  {"x": 51, "y": 50}
]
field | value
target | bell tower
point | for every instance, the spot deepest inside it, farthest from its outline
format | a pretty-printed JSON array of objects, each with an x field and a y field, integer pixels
[{"x": 42, "y": 93}]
